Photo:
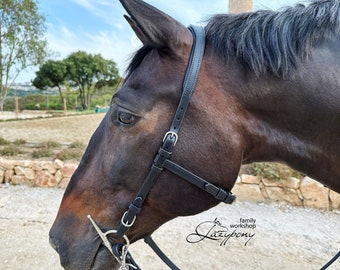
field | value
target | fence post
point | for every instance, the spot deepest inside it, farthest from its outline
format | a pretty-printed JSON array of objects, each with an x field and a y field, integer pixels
[
  {"x": 65, "y": 105},
  {"x": 239, "y": 6},
  {"x": 16, "y": 106}
]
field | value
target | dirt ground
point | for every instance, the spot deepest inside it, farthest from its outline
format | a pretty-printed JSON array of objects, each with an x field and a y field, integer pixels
[
  {"x": 65, "y": 129},
  {"x": 285, "y": 237}
]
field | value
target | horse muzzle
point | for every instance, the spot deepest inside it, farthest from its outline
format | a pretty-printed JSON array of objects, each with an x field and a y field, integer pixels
[{"x": 80, "y": 251}]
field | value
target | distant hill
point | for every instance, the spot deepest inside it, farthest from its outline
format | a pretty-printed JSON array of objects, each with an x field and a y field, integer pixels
[{"x": 23, "y": 93}]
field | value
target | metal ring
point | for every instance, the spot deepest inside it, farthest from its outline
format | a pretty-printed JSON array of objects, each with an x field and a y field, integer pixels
[
  {"x": 171, "y": 133},
  {"x": 106, "y": 242}
]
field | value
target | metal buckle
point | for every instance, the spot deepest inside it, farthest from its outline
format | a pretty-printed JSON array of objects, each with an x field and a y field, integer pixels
[
  {"x": 171, "y": 133},
  {"x": 126, "y": 224}
]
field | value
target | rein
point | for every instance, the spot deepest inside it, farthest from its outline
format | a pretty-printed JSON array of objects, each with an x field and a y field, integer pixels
[{"x": 162, "y": 161}]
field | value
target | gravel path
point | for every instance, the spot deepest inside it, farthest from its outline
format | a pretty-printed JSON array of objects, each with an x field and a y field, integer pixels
[{"x": 284, "y": 238}]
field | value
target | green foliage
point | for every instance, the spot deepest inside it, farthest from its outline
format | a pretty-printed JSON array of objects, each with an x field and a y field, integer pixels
[
  {"x": 273, "y": 171},
  {"x": 51, "y": 74},
  {"x": 4, "y": 141},
  {"x": 89, "y": 73},
  {"x": 77, "y": 145},
  {"x": 71, "y": 153},
  {"x": 49, "y": 145},
  {"x": 50, "y": 102},
  {"x": 45, "y": 149},
  {"x": 22, "y": 40},
  {"x": 42, "y": 152},
  {"x": 10, "y": 150},
  {"x": 19, "y": 142}
]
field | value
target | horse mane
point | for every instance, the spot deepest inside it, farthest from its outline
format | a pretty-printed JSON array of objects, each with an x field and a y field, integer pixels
[{"x": 274, "y": 42}]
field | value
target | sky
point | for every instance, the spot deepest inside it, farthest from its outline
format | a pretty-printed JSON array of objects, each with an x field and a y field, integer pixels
[{"x": 98, "y": 26}]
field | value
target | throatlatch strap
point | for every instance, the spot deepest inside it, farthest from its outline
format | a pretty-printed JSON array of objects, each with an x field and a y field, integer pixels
[{"x": 218, "y": 193}]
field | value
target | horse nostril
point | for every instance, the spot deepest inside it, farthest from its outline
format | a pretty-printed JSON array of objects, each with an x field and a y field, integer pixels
[{"x": 53, "y": 244}]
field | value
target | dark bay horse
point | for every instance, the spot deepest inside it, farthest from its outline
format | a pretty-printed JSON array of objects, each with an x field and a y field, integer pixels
[{"x": 268, "y": 89}]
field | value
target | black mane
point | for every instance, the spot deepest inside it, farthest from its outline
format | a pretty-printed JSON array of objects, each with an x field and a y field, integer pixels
[
  {"x": 137, "y": 59},
  {"x": 275, "y": 42}
]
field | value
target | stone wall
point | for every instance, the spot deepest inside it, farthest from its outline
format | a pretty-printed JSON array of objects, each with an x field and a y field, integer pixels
[
  {"x": 36, "y": 173},
  {"x": 306, "y": 192}
]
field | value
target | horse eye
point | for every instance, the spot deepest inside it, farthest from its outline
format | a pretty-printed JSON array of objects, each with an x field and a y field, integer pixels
[{"x": 126, "y": 118}]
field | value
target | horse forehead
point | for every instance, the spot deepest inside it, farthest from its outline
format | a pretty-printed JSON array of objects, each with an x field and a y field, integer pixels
[
  {"x": 143, "y": 66},
  {"x": 156, "y": 69}
]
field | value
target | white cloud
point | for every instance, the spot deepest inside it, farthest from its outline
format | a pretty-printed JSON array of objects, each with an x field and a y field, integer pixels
[
  {"x": 66, "y": 33},
  {"x": 84, "y": 3},
  {"x": 103, "y": 10},
  {"x": 117, "y": 41},
  {"x": 110, "y": 44}
]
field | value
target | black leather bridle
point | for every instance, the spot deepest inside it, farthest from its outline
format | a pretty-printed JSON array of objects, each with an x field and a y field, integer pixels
[{"x": 162, "y": 160}]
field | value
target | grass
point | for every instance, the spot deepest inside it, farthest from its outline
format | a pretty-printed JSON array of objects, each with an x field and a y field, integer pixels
[
  {"x": 19, "y": 142},
  {"x": 10, "y": 150},
  {"x": 49, "y": 145},
  {"x": 77, "y": 145},
  {"x": 4, "y": 141},
  {"x": 75, "y": 150},
  {"x": 273, "y": 171},
  {"x": 42, "y": 152},
  {"x": 70, "y": 153}
]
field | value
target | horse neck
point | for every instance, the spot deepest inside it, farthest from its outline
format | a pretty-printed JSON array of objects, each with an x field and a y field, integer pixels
[{"x": 284, "y": 121}]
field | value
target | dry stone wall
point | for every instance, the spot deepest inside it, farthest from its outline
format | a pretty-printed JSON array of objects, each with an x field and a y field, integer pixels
[
  {"x": 36, "y": 173},
  {"x": 306, "y": 192}
]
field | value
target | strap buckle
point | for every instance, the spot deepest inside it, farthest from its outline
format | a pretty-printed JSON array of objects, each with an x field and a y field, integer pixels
[
  {"x": 171, "y": 134},
  {"x": 126, "y": 223}
]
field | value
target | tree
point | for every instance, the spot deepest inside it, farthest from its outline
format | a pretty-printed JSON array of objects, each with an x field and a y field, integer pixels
[
  {"x": 89, "y": 73},
  {"x": 21, "y": 41},
  {"x": 51, "y": 74}
]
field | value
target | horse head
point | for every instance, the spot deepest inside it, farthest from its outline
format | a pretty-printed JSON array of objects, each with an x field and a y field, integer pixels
[
  {"x": 267, "y": 90},
  {"x": 121, "y": 151}
]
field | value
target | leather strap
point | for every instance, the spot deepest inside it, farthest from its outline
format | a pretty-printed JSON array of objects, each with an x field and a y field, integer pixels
[
  {"x": 171, "y": 137},
  {"x": 218, "y": 193},
  {"x": 162, "y": 160},
  {"x": 160, "y": 253},
  {"x": 191, "y": 75}
]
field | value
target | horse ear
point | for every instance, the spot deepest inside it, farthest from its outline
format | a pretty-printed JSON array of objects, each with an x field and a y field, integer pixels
[
  {"x": 135, "y": 28},
  {"x": 152, "y": 26}
]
